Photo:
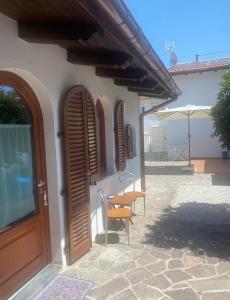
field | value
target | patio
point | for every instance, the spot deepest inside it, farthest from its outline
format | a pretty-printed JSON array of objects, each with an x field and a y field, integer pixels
[{"x": 180, "y": 250}]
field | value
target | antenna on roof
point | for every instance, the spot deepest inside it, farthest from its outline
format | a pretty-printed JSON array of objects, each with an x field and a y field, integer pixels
[
  {"x": 170, "y": 46},
  {"x": 210, "y": 53}
]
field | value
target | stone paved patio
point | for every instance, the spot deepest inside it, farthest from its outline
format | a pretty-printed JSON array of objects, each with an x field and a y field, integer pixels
[{"x": 180, "y": 250}]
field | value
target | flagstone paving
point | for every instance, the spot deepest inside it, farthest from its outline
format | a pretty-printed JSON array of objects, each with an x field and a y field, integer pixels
[
  {"x": 172, "y": 254},
  {"x": 179, "y": 251}
]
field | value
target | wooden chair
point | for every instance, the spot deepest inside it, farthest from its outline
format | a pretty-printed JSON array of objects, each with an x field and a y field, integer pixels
[
  {"x": 115, "y": 213},
  {"x": 122, "y": 201},
  {"x": 127, "y": 178}
]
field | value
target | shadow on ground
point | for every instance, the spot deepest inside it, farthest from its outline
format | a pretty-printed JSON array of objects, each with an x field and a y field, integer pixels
[
  {"x": 118, "y": 228},
  {"x": 166, "y": 170},
  {"x": 202, "y": 228}
]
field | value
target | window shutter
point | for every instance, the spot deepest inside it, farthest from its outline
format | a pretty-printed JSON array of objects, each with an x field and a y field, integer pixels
[
  {"x": 76, "y": 166},
  {"x": 134, "y": 142},
  {"x": 101, "y": 137},
  {"x": 92, "y": 138},
  {"x": 129, "y": 142},
  {"x": 119, "y": 135}
]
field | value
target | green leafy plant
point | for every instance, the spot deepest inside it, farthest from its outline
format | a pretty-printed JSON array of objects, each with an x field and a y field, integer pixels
[
  {"x": 11, "y": 108},
  {"x": 220, "y": 112}
]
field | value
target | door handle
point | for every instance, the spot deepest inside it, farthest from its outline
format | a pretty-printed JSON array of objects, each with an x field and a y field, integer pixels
[
  {"x": 40, "y": 184},
  {"x": 43, "y": 192},
  {"x": 45, "y": 198}
]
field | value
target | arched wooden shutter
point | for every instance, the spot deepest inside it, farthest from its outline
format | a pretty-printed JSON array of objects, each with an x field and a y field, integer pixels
[
  {"x": 129, "y": 141},
  {"x": 92, "y": 138},
  {"x": 76, "y": 165},
  {"x": 101, "y": 137},
  {"x": 119, "y": 135}
]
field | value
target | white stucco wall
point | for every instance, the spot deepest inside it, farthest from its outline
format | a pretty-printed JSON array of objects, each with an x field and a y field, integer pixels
[
  {"x": 197, "y": 89},
  {"x": 46, "y": 69}
]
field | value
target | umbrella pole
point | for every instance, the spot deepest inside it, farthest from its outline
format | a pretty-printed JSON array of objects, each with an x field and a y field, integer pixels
[{"x": 189, "y": 138}]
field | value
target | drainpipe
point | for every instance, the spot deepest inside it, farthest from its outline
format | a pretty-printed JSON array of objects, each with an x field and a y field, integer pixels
[{"x": 142, "y": 146}]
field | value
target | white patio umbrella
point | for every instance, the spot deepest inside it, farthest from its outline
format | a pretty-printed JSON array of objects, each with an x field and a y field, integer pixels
[{"x": 185, "y": 112}]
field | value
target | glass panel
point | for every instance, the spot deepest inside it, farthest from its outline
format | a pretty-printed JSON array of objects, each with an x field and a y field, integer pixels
[{"x": 17, "y": 198}]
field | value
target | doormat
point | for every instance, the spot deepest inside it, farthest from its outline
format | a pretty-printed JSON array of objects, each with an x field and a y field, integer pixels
[{"x": 63, "y": 288}]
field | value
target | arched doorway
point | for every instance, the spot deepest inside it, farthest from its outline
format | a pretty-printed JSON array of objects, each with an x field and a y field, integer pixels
[{"x": 24, "y": 222}]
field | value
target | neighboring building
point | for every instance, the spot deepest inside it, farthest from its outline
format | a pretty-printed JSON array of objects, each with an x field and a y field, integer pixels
[
  {"x": 199, "y": 83},
  {"x": 68, "y": 64}
]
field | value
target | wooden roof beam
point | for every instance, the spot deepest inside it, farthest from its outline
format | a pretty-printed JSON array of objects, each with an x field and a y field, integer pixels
[
  {"x": 151, "y": 84},
  {"x": 146, "y": 90},
  {"x": 162, "y": 95},
  {"x": 98, "y": 57},
  {"x": 129, "y": 73},
  {"x": 54, "y": 33}
]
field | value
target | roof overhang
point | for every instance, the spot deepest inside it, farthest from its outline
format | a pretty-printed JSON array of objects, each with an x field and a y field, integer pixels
[
  {"x": 180, "y": 71},
  {"x": 99, "y": 33}
]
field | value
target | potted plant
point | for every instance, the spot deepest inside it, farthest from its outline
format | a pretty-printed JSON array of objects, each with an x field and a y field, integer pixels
[{"x": 220, "y": 114}]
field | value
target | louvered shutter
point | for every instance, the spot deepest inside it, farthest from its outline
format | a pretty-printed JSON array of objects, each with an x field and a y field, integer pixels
[
  {"x": 119, "y": 135},
  {"x": 75, "y": 142},
  {"x": 92, "y": 137},
  {"x": 129, "y": 141},
  {"x": 101, "y": 137},
  {"x": 134, "y": 142}
]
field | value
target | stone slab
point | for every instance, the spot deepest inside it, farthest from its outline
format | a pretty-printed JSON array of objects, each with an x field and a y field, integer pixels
[
  {"x": 216, "y": 296},
  {"x": 177, "y": 275},
  {"x": 122, "y": 267},
  {"x": 159, "y": 281},
  {"x": 157, "y": 267},
  {"x": 223, "y": 267},
  {"x": 183, "y": 294},
  {"x": 138, "y": 275},
  {"x": 202, "y": 271},
  {"x": 144, "y": 291},
  {"x": 125, "y": 295},
  {"x": 190, "y": 261},
  {"x": 146, "y": 260},
  {"x": 110, "y": 288},
  {"x": 175, "y": 264},
  {"x": 159, "y": 254},
  {"x": 214, "y": 283}
]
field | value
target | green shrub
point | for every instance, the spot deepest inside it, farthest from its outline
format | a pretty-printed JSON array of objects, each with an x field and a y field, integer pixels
[
  {"x": 220, "y": 112},
  {"x": 11, "y": 108}
]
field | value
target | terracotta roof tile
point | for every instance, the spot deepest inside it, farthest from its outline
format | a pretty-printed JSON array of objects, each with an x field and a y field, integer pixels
[{"x": 200, "y": 66}]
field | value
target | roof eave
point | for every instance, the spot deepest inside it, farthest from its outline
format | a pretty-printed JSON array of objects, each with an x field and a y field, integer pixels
[
  {"x": 198, "y": 70},
  {"x": 129, "y": 35}
]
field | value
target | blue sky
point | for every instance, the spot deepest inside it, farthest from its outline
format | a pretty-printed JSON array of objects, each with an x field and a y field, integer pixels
[{"x": 196, "y": 26}]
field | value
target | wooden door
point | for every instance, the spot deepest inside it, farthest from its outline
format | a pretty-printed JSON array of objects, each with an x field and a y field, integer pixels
[
  {"x": 77, "y": 171},
  {"x": 24, "y": 221}
]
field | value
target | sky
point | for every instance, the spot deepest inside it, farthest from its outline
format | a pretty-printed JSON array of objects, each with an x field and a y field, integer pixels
[{"x": 195, "y": 26}]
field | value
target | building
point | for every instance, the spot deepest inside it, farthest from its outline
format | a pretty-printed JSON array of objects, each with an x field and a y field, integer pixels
[
  {"x": 76, "y": 70},
  {"x": 199, "y": 83}
]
